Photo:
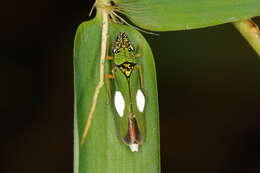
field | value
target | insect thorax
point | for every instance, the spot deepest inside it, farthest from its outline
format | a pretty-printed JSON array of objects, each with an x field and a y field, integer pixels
[{"x": 123, "y": 52}]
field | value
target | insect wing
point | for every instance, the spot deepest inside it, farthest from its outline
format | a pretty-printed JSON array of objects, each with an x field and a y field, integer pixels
[
  {"x": 121, "y": 86},
  {"x": 138, "y": 102},
  {"x": 131, "y": 93}
]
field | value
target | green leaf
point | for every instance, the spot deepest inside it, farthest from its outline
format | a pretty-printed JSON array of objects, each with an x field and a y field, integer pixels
[
  {"x": 169, "y": 15},
  {"x": 103, "y": 150}
]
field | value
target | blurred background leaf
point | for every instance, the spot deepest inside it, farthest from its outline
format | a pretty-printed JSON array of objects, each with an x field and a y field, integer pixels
[{"x": 170, "y": 15}]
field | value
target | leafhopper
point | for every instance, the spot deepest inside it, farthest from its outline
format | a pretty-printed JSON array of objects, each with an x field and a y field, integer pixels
[{"x": 128, "y": 95}]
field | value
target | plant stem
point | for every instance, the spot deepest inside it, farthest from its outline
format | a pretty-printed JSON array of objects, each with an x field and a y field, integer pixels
[
  {"x": 104, "y": 43},
  {"x": 250, "y": 31}
]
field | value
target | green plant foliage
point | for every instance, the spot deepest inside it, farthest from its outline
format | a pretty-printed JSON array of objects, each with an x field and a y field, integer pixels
[
  {"x": 170, "y": 15},
  {"x": 103, "y": 150}
]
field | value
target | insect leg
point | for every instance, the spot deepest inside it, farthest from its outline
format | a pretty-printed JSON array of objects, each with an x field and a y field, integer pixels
[
  {"x": 109, "y": 58},
  {"x": 137, "y": 55}
]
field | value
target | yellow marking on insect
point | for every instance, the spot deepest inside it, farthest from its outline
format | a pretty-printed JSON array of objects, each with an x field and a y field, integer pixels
[{"x": 127, "y": 68}]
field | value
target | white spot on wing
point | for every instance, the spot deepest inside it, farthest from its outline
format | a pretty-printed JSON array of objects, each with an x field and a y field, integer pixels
[
  {"x": 140, "y": 100},
  {"x": 133, "y": 147},
  {"x": 119, "y": 103}
]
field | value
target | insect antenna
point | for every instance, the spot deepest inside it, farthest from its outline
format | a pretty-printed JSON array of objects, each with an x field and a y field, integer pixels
[{"x": 123, "y": 21}]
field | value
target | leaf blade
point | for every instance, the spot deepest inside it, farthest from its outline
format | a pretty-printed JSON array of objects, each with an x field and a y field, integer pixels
[
  {"x": 104, "y": 151},
  {"x": 169, "y": 15}
]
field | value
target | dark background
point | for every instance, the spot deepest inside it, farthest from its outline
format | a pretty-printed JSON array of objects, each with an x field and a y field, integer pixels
[{"x": 208, "y": 81}]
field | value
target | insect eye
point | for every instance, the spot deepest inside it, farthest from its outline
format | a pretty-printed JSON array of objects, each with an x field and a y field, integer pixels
[
  {"x": 131, "y": 49},
  {"x": 114, "y": 50}
]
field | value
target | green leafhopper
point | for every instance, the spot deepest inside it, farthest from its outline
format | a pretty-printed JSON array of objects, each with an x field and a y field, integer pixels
[{"x": 128, "y": 97}]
